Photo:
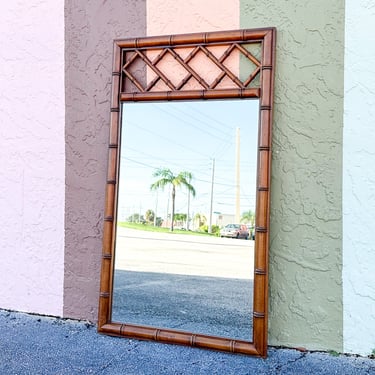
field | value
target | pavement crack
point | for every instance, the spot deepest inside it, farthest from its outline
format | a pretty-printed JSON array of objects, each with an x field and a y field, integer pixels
[
  {"x": 106, "y": 365},
  {"x": 283, "y": 365}
]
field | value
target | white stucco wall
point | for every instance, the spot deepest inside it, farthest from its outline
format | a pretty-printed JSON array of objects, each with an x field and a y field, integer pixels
[
  {"x": 32, "y": 154},
  {"x": 359, "y": 178}
]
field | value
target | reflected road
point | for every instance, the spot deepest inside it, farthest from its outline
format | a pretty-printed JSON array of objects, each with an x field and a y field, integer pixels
[
  {"x": 193, "y": 283},
  {"x": 184, "y": 254}
]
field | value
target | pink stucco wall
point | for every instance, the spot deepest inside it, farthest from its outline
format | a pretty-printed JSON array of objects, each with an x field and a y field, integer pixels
[
  {"x": 177, "y": 17},
  {"x": 32, "y": 115}
]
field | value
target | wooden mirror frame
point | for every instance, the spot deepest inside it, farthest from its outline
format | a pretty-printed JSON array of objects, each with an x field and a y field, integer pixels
[{"x": 127, "y": 87}]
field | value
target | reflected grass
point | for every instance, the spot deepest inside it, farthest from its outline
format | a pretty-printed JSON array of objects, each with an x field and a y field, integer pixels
[{"x": 151, "y": 228}]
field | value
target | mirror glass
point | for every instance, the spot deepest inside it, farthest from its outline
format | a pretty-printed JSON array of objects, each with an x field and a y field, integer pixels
[{"x": 196, "y": 159}]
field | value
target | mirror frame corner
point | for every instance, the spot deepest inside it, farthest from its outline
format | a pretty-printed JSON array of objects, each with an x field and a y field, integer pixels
[{"x": 267, "y": 38}]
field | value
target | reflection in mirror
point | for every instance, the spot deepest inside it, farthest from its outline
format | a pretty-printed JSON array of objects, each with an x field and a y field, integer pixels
[{"x": 187, "y": 170}]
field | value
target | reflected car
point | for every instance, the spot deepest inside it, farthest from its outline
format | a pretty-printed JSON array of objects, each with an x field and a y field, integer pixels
[{"x": 235, "y": 231}]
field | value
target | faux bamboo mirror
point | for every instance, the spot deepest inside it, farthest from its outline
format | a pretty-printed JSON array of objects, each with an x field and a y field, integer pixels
[{"x": 186, "y": 225}]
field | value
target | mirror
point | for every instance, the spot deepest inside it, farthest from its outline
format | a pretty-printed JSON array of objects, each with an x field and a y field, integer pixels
[
  {"x": 170, "y": 271},
  {"x": 189, "y": 274}
]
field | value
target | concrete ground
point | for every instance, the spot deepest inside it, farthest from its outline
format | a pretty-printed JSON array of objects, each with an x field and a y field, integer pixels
[{"x": 32, "y": 344}]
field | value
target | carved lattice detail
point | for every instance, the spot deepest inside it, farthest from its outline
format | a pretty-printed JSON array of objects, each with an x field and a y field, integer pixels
[{"x": 183, "y": 56}]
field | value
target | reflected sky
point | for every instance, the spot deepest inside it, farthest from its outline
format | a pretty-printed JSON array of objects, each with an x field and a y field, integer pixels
[{"x": 187, "y": 136}]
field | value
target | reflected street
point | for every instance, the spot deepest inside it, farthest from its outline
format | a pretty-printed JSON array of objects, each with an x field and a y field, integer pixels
[
  {"x": 201, "y": 284},
  {"x": 184, "y": 254}
]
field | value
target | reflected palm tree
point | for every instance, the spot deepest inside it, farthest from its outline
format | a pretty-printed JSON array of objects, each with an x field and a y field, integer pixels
[
  {"x": 168, "y": 178},
  {"x": 248, "y": 217},
  {"x": 200, "y": 218}
]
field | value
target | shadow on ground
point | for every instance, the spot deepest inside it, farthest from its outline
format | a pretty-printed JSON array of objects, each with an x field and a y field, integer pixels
[{"x": 200, "y": 304}]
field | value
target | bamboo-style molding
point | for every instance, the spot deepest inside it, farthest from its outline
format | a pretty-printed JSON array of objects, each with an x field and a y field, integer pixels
[
  {"x": 191, "y": 94},
  {"x": 180, "y": 337},
  {"x": 215, "y": 37},
  {"x": 265, "y": 67}
]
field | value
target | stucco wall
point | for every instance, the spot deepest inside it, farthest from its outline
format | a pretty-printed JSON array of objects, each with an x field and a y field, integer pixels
[
  {"x": 90, "y": 29},
  {"x": 32, "y": 156},
  {"x": 306, "y": 234},
  {"x": 189, "y": 16},
  {"x": 359, "y": 179}
]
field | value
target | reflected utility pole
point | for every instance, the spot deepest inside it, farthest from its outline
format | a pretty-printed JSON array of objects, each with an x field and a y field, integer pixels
[
  {"x": 238, "y": 214},
  {"x": 188, "y": 208},
  {"x": 212, "y": 196},
  {"x": 156, "y": 209}
]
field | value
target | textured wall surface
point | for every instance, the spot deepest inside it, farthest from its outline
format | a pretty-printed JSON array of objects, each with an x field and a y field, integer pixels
[
  {"x": 189, "y": 16},
  {"x": 32, "y": 156},
  {"x": 90, "y": 29},
  {"x": 359, "y": 179},
  {"x": 306, "y": 235}
]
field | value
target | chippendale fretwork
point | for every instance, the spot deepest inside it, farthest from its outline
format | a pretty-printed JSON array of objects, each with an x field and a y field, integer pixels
[
  {"x": 216, "y": 65},
  {"x": 133, "y": 57},
  {"x": 207, "y": 65}
]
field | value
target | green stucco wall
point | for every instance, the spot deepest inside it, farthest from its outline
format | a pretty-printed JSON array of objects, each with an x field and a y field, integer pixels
[{"x": 305, "y": 302}]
